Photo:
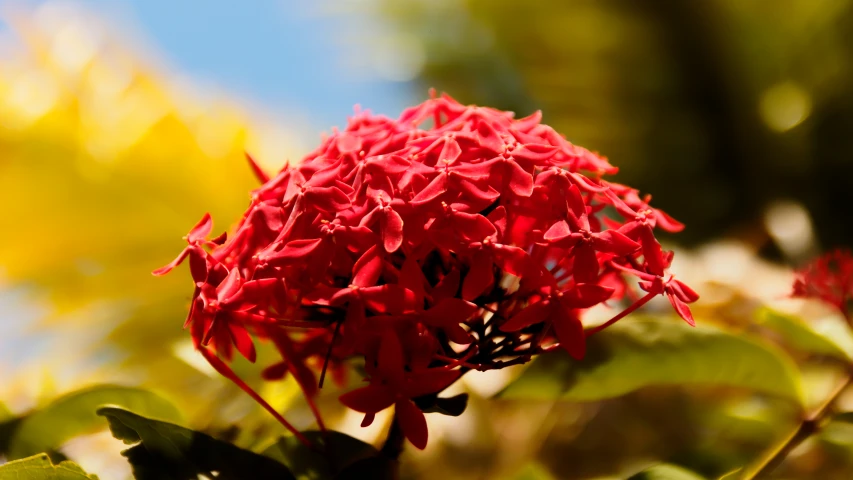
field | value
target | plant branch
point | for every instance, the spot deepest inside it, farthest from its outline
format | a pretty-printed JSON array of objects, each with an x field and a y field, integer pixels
[
  {"x": 393, "y": 446},
  {"x": 809, "y": 425}
]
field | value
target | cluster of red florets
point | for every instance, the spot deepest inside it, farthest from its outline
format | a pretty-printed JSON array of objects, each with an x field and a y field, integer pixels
[
  {"x": 474, "y": 243},
  {"x": 828, "y": 278}
]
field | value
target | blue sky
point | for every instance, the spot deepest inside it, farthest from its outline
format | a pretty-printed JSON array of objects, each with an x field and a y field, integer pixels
[{"x": 288, "y": 56}]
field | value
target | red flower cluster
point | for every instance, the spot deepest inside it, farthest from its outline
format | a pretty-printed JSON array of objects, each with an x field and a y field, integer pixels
[
  {"x": 828, "y": 278},
  {"x": 474, "y": 243}
]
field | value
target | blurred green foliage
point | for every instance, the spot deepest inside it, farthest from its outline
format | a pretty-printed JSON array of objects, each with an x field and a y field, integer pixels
[
  {"x": 643, "y": 353},
  {"x": 163, "y": 450},
  {"x": 39, "y": 467},
  {"x": 716, "y": 107},
  {"x": 800, "y": 336},
  {"x": 665, "y": 472},
  {"x": 74, "y": 414}
]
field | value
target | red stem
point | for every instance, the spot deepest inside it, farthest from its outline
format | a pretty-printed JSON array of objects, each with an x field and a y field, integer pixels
[
  {"x": 286, "y": 351},
  {"x": 639, "y": 303},
  {"x": 226, "y": 372}
]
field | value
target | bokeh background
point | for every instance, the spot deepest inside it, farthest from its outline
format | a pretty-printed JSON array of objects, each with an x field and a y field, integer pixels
[{"x": 122, "y": 122}]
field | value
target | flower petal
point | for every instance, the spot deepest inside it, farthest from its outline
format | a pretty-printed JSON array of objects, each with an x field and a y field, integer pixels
[
  {"x": 243, "y": 341},
  {"x": 558, "y": 231},
  {"x": 498, "y": 218},
  {"x": 260, "y": 174},
  {"x": 201, "y": 230},
  {"x": 368, "y": 419},
  {"x": 574, "y": 200},
  {"x": 412, "y": 422},
  {"x": 390, "y": 298},
  {"x": 412, "y": 277},
  {"x": 450, "y": 310},
  {"x": 369, "y": 399},
  {"x": 488, "y": 137},
  {"x": 612, "y": 241},
  {"x": 436, "y": 187},
  {"x": 538, "y": 312},
  {"x": 512, "y": 260},
  {"x": 276, "y": 371},
  {"x": 683, "y": 292},
  {"x": 327, "y": 199},
  {"x": 667, "y": 223},
  {"x": 229, "y": 287},
  {"x": 534, "y": 153},
  {"x": 390, "y": 360},
  {"x": 520, "y": 181},
  {"x": 348, "y": 143},
  {"x": 295, "y": 251},
  {"x": 585, "y": 295},
  {"x": 682, "y": 309},
  {"x": 450, "y": 152},
  {"x": 391, "y": 224},
  {"x": 586, "y": 263},
  {"x": 480, "y": 276},
  {"x": 198, "y": 264},
  {"x": 368, "y": 268},
  {"x": 473, "y": 226},
  {"x": 652, "y": 252},
  {"x": 569, "y": 330},
  {"x": 448, "y": 286},
  {"x": 174, "y": 263},
  {"x": 430, "y": 380}
]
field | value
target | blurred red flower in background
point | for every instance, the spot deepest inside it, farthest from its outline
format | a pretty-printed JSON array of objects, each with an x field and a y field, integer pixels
[{"x": 828, "y": 278}]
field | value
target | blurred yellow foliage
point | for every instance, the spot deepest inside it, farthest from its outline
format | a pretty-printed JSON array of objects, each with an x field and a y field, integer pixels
[{"x": 105, "y": 162}]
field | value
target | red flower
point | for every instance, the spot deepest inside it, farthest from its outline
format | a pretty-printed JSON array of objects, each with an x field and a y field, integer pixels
[
  {"x": 828, "y": 278},
  {"x": 575, "y": 233},
  {"x": 196, "y": 239},
  {"x": 392, "y": 384},
  {"x": 559, "y": 310},
  {"x": 473, "y": 244},
  {"x": 389, "y": 220},
  {"x": 678, "y": 293}
]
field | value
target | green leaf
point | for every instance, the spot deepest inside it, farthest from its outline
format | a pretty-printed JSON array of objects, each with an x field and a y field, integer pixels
[
  {"x": 665, "y": 472},
  {"x": 632, "y": 355},
  {"x": 342, "y": 451},
  {"x": 845, "y": 417},
  {"x": 74, "y": 414},
  {"x": 39, "y": 467},
  {"x": 7, "y": 431},
  {"x": 164, "y": 450},
  {"x": 802, "y": 336},
  {"x": 450, "y": 406},
  {"x": 8, "y": 425}
]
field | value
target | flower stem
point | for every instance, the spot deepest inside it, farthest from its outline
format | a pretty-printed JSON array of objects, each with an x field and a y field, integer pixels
[
  {"x": 809, "y": 425},
  {"x": 639, "y": 303},
  {"x": 393, "y": 446}
]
